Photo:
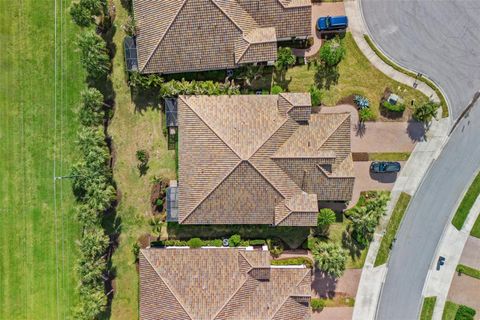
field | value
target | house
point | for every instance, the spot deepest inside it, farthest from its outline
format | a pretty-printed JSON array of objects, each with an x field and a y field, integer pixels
[
  {"x": 196, "y": 35},
  {"x": 220, "y": 283},
  {"x": 260, "y": 159}
]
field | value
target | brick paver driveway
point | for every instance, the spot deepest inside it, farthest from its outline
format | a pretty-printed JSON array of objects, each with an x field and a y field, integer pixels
[{"x": 320, "y": 10}]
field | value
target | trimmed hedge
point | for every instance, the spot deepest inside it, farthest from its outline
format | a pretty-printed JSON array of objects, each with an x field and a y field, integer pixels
[
  {"x": 293, "y": 262},
  {"x": 465, "y": 313},
  {"x": 197, "y": 243},
  {"x": 317, "y": 304},
  {"x": 469, "y": 271},
  {"x": 399, "y": 107}
]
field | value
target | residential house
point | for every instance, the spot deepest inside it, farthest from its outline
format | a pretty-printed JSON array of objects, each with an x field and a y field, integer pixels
[
  {"x": 221, "y": 283},
  {"x": 196, "y": 35},
  {"x": 260, "y": 159}
]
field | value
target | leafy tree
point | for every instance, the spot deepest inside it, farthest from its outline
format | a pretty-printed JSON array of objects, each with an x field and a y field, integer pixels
[
  {"x": 145, "y": 82},
  {"x": 250, "y": 73},
  {"x": 365, "y": 114},
  {"x": 195, "y": 243},
  {"x": 332, "y": 52},
  {"x": 324, "y": 219},
  {"x": 94, "y": 54},
  {"x": 330, "y": 258},
  {"x": 285, "y": 59},
  {"x": 426, "y": 112},
  {"x": 316, "y": 95},
  {"x": 81, "y": 15},
  {"x": 86, "y": 216},
  {"x": 93, "y": 303},
  {"x": 96, "y": 7},
  {"x": 91, "y": 112}
]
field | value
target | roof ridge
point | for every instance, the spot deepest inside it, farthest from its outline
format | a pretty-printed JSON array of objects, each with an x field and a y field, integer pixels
[
  {"x": 246, "y": 259},
  {"x": 269, "y": 137},
  {"x": 163, "y": 36},
  {"x": 307, "y": 271},
  {"x": 233, "y": 20},
  {"x": 244, "y": 51},
  {"x": 330, "y": 176},
  {"x": 288, "y": 215},
  {"x": 280, "y": 307},
  {"x": 231, "y": 297},
  {"x": 166, "y": 284},
  {"x": 335, "y": 129}
]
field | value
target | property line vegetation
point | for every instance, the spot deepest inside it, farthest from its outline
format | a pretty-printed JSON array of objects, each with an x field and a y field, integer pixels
[
  {"x": 469, "y": 271},
  {"x": 467, "y": 203},
  {"x": 443, "y": 101},
  {"x": 389, "y": 237},
  {"x": 428, "y": 307},
  {"x": 93, "y": 184}
]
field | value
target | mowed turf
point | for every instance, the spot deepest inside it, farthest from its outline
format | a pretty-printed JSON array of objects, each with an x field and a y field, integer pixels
[{"x": 37, "y": 228}]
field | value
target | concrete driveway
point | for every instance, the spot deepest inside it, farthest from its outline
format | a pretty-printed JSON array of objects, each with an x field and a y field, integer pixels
[
  {"x": 320, "y": 10},
  {"x": 441, "y": 40}
]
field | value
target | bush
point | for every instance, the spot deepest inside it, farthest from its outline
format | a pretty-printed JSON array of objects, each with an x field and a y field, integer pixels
[
  {"x": 81, "y": 15},
  {"x": 259, "y": 242},
  {"x": 234, "y": 240},
  {"x": 213, "y": 243},
  {"x": 317, "y": 304},
  {"x": 145, "y": 82},
  {"x": 175, "y": 243},
  {"x": 142, "y": 157},
  {"x": 425, "y": 112},
  {"x": 276, "y": 89},
  {"x": 195, "y": 243},
  {"x": 174, "y": 88},
  {"x": 293, "y": 262},
  {"x": 285, "y": 59},
  {"x": 366, "y": 114},
  {"x": 398, "y": 107},
  {"x": 332, "y": 52},
  {"x": 275, "y": 247},
  {"x": 316, "y": 95},
  {"x": 465, "y": 313},
  {"x": 94, "y": 54}
]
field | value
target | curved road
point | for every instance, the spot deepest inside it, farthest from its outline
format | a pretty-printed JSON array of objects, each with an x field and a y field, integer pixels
[{"x": 442, "y": 40}]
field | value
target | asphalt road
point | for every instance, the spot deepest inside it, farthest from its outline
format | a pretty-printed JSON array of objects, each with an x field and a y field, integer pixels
[{"x": 440, "y": 39}]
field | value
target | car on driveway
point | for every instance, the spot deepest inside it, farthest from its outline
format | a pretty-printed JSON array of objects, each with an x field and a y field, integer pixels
[
  {"x": 384, "y": 167},
  {"x": 329, "y": 23}
]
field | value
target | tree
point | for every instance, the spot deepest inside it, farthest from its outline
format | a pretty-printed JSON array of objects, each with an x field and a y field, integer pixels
[
  {"x": 234, "y": 240},
  {"x": 285, "y": 59},
  {"x": 91, "y": 111},
  {"x": 94, "y": 244},
  {"x": 330, "y": 258},
  {"x": 250, "y": 73},
  {"x": 142, "y": 157},
  {"x": 276, "y": 89},
  {"x": 81, "y": 15},
  {"x": 156, "y": 224},
  {"x": 93, "y": 302},
  {"x": 316, "y": 95},
  {"x": 94, "y": 54},
  {"x": 426, "y": 112},
  {"x": 324, "y": 219},
  {"x": 332, "y": 52}
]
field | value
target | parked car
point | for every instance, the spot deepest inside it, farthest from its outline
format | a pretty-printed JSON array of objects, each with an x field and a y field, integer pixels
[
  {"x": 384, "y": 167},
  {"x": 332, "y": 23}
]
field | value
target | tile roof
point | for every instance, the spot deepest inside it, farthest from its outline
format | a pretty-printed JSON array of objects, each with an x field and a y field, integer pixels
[
  {"x": 220, "y": 283},
  {"x": 244, "y": 160},
  {"x": 194, "y": 35}
]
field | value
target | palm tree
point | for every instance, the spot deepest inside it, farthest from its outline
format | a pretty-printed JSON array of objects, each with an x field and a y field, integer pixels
[
  {"x": 156, "y": 224},
  {"x": 250, "y": 73},
  {"x": 330, "y": 258}
]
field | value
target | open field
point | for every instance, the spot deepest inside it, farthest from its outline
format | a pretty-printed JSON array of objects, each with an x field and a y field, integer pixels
[{"x": 40, "y": 83}]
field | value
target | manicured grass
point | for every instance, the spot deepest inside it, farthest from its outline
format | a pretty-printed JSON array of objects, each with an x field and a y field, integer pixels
[
  {"x": 357, "y": 76},
  {"x": 389, "y": 156},
  {"x": 443, "y": 102},
  {"x": 449, "y": 310},
  {"x": 476, "y": 229},
  {"x": 357, "y": 255},
  {"x": 293, "y": 262},
  {"x": 37, "y": 226},
  {"x": 339, "y": 301},
  {"x": 467, "y": 203},
  {"x": 393, "y": 225},
  {"x": 469, "y": 271},
  {"x": 427, "y": 309}
]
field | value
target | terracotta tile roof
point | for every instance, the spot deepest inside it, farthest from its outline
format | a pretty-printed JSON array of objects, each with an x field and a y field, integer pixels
[
  {"x": 215, "y": 284},
  {"x": 194, "y": 35},
  {"x": 244, "y": 160}
]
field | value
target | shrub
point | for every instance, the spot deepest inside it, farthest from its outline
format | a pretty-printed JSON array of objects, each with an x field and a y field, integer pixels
[
  {"x": 213, "y": 243},
  {"x": 316, "y": 95},
  {"x": 150, "y": 81},
  {"x": 293, "y": 262},
  {"x": 81, "y": 15},
  {"x": 174, "y": 88},
  {"x": 259, "y": 242},
  {"x": 425, "y": 112},
  {"x": 142, "y": 157},
  {"x": 234, "y": 240},
  {"x": 317, "y": 304},
  {"x": 285, "y": 59},
  {"x": 175, "y": 243},
  {"x": 465, "y": 313},
  {"x": 195, "y": 243},
  {"x": 275, "y": 247},
  {"x": 398, "y": 107},
  {"x": 332, "y": 52},
  {"x": 276, "y": 89},
  {"x": 136, "y": 250},
  {"x": 366, "y": 114},
  {"x": 94, "y": 54}
]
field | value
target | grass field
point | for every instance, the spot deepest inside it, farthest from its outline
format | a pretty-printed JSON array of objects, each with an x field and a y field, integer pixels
[
  {"x": 40, "y": 81},
  {"x": 428, "y": 307},
  {"x": 356, "y": 76}
]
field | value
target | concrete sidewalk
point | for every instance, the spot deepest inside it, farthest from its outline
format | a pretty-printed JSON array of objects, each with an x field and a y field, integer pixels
[
  {"x": 451, "y": 247},
  {"x": 410, "y": 177}
]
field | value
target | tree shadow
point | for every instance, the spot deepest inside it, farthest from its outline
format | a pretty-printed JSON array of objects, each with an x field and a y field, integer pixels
[
  {"x": 360, "y": 129},
  {"x": 326, "y": 76},
  {"x": 145, "y": 99},
  {"x": 323, "y": 284},
  {"x": 280, "y": 78},
  {"x": 349, "y": 243},
  {"x": 416, "y": 131}
]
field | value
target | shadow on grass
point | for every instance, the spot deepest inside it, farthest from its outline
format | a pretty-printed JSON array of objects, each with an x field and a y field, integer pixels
[{"x": 349, "y": 243}]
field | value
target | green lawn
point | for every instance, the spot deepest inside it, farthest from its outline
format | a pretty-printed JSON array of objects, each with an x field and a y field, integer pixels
[
  {"x": 428, "y": 307},
  {"x": 356, "y": 76},
  {"x": 389, "y": 156},
  {"x": 467, "y": 203},
  {"x": 469, "y": 271},
  {"x": 449, "y": 310},
  {"x": 37, "y": 227},
  {"x": 393, "y": 225},
  {"x": 476, "y": 228}
]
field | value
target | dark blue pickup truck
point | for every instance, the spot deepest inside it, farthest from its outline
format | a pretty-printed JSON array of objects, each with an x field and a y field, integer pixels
[{"x": 332, "y": 23}]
